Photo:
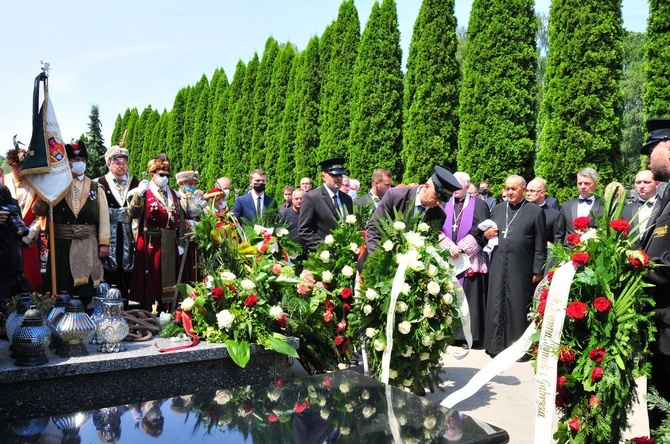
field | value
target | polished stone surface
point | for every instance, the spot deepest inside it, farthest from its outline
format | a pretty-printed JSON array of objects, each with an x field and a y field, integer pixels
[{"x": 342, "y": 407}]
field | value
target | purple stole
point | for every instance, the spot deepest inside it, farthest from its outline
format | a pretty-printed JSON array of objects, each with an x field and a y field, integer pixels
[{"x": 466, "y": 218}]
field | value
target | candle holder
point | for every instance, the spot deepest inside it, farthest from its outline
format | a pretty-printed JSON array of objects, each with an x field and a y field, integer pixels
[
  {"x": 57, "y": 310},
  {"x": 15, "y": 318},
  {"x": 31, "y": 340},
  {"x": 112, "y": 329},
  {"x": 73, "y": 328},
  {"x": 100, "y": 295}
]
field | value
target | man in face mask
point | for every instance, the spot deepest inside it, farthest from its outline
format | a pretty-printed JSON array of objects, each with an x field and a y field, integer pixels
[
  {"x": 254, "y": 204},
  {"x": 82, "y": 234},
  {"x": 219, "y": 193}
]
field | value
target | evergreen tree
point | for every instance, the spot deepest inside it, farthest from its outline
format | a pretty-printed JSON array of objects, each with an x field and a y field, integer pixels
[
  {"x": 138, "y": 134},
  {"x": 499, "y": 91},
  {"x": 195, "y": 126},
  {"x": 95, "y": 167},
  {"x": 276, "y": 103},
  {"x": 234, "y": 94},
  {"x": 134, "y": 154},
  {"x": 307, "y": 127},
  {"x": 216, "y": 136},
  {"x": 657, "y": 93},
  {"x": 336, "y": 93},
  {"x": 581, "y": 110},
  {"x": 285, "y": 171},
  {"x": 261, "y": 101},
  {"x": 149, "y": 150},
  {"x": 633, "y": 132},
  {"x": 118, "y": 130},
  {"x": 376, "y": 108},
  {"x": 159, "y": 136},
  {"x": 176, "y": 127},
  {"x": 430, "y": 124}
]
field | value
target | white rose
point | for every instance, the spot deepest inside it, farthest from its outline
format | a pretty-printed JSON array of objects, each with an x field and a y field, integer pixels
[
  {"x": 379, "y": 345},
  {"x": 247, "y": 284},
  {"x": 428, "y": 311},
  {"x": 427, "y": 340},
  {"x": 228, "y": 277},
  {"x": 367, "y": 309},
  {"x": 439, "y": 336},
  {"x": 371, "y": 294},
  {"x": 402, "y": 420},
  {"x": 433, "y": 288},
  {"x": 368, "y": 411},
  {"x": 424, "y": 356},
  {"x": 399, "y": 225},
  {"x": 225, "y": 319},
  {"x": 164, "y": 318},
  {"x": 187, "y": 304},
  {"x": 404, "y": 327},
  {"x": 414, "y": 240},
  {"x": 281, "y": 232},
  {"x": 326, "y": 276},
  {"x": 258, "y": 229},
  {"x": 342, "y": 366},
  {"x": 344, "y": 387},
  {"x": 409, "y": 352},
  {"x": 354, "y": 247},
  {"x": 416, "y": 265},
  {"x": 387, "y": 246},
  {"x": 408, "y": 382},
  {"x": 429, "y": 422},
  {"x": 423, "y": 227},
  {"x": 350, "y": 219},
  {"x": 276, "y": 312},
  {"x": 210, "y": 282},
  {"x": 344, "y": 430},
  {"x": 447, "y": 298},
  {"x": 325, "y": 414},
  {"x": 448, "y": 320},
  {"x": 430, "y": 249},
  {"x": 393, "y": 374},
  {"x": 400, "y": 307},
  {"x": 325, "y": 256},
  {"x": 370, "y": 332},
  {"x": 405, "y": 288},
  {"x": 432, "y": 270},
  {"x": 274, "y": 395},
  {"x": 347, "y": 271},
  {"x": 222, "y": 397},
  {"x": 329, "y": 240},
  {"x": 399, "y": 258},
  {"x": 365, "y": 394}
]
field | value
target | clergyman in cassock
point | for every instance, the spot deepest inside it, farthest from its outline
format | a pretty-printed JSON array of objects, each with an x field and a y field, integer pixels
[
  {"x": 516, "y": 266},
  {"x": 643, "y": 209},
  {"x": 462, "y": 235}
]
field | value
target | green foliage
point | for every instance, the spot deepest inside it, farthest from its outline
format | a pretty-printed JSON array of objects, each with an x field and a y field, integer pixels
[
  {"x": 118, "y": 130},
  {"x": 95, "y": 167},
  {"x": 581, "y": 111},
  {"x": 176, "y": 126},
  {"x": 657, "y": 93},
  {"x": 284, "y": 170},
  {"x": 633, "y": 132},
  {"x": 212, "y": 165},
  {"x": 134, "y": 153},
  {"x": 234, "y": 93},
  {"x": 375, "y": 140},
  {"x": 432, "y": 82},
  {"x": 152, "y": 119},
  {"x": 499, "y": 91},
  {"x": 261, "y": 102},
  {"x": 198, "y": 137}
]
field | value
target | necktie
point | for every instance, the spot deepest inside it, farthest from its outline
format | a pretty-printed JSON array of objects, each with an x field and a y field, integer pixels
[
  {"x": 419, "y": 209},
  {"x": 120, "y": 182},
  {"x": 259, "y": 206},
  {"x": 164, "y": 195},
  {"x": 649, "y": 203},
  {"x": 586, "y": 200},
  {"x": 336, "y": 202}
]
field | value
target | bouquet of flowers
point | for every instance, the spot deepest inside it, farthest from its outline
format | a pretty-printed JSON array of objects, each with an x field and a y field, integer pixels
[
  {"x": 425, "y": 311},
  {"x": 607, "y": 327}
]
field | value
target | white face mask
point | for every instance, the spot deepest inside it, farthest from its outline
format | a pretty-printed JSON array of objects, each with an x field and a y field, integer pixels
[
  {"x": 161, "y": 181},
  {"x": 78, "y": 168}
]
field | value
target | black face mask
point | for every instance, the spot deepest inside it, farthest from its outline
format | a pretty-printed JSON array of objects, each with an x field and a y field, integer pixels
[
  {"x": 484, "y": 192},
  {"x": 259, "y": 187}
]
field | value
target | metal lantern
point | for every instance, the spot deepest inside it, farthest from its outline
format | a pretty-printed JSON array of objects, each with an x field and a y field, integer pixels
[
  {"x": 15, "y": 318},
  {"x": 31, "y": 340},
  {"x": 100, "y": 295},
  {"x": 73, "y": 328},
  {"x": 58, "y": 309},
  {"x": 112, "y": 328}
]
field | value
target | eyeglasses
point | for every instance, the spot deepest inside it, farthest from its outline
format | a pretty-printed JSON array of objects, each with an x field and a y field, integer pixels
[
  {"x": 163, "y": 174},
  {"x": 119, "y": 162},
  {"x": 535, "y": 191}
]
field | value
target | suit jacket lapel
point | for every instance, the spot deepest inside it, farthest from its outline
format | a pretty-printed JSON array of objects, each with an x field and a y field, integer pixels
[{"x": 329, "y": 201}]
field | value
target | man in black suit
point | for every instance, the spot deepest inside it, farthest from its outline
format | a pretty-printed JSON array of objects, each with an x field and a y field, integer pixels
[
  {"x": 254, "y": 203},
  {"x": 426, "y": 199},
  {"x": 536, "y": 193},
  {"x": 657, "y": 246},
  {"x": 323, "y": 207},
  {"x": 381, "y": 182},
  {"x": 643, "y": 208},
  {"x": 586, "y": 204}
]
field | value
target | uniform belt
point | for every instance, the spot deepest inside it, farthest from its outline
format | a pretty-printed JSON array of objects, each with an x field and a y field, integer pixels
[{"x": 75, "y": 231}]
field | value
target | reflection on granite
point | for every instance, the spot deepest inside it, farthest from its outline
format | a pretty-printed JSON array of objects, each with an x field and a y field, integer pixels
[
  {"x": 342, "y": 407},
  {"x": 142, "y": 372}
]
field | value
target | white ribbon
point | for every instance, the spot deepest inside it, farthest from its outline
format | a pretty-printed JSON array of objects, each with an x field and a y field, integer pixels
[{"x": 393, "y": 421}]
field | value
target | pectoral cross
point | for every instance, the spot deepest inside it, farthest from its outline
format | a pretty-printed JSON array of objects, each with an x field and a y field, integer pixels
[
  {"x": 504, "y": 234},
  {"x": 454, "y": 227}
]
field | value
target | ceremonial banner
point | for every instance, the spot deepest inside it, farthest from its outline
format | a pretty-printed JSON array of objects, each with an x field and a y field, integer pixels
[{"x": 46, "y": 165}]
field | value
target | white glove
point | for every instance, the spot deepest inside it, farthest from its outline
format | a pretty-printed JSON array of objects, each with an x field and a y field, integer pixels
[
  {"x": 143, "y": 187},
  {"x": 26, "y": 240}
]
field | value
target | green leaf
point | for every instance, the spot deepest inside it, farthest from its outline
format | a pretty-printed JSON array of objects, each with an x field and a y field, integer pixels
[
  {"x": 240, "y": 352},
  {"x": 282, "y": 347},
  {"x": 185, "y": 289}
]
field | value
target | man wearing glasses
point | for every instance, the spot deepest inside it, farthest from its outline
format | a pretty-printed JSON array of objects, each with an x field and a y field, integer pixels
[{"x": 536, "y": 193}]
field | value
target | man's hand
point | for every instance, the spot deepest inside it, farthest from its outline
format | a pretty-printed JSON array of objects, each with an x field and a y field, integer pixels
[
  {"x": 537, "y": 278},
  {"x": 3, "y": 216},
  {"x": 491, "y": 233},
  {"x": 103, "y": 251}
]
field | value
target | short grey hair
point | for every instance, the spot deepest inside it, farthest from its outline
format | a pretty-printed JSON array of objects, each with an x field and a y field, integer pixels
[
  {"x": 589, "y": 172},
  {"x": 463, "y": 178},
  {"x": 521, "y": 180}
]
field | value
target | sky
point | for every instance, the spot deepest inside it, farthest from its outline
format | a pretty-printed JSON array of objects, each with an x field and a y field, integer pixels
[{"x": 131, "y": 54}]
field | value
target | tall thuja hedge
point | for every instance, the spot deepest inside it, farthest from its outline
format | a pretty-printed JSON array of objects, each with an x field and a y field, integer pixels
[
  {"x": 376, "y": 108},
  {"x": 159, "y": 134},
  {"x": 176, "y": 127},
  {"x": 499, "y": 91},
  {"x": 285, "y": 174},
  {"x": 337, "y": 91},
  {"x": 234, "y": 94},
  {"x": 633, "y": 132},
  {"x": 276, "y": 103},
  {"x": 657, "y": 93},
  {"x": 307, "y": 128},
  {"x": 430, "y": 107},
  {"x": 581, "y": 110},
  {"x": 217, "y": 116},
  {"x": 134, "y": 154},
  {"x": 195, "y": 151},
  {"x": 152, "y": 119},
  {"x": 240, "y": 130},
  {"x": 261, "y": 90}
]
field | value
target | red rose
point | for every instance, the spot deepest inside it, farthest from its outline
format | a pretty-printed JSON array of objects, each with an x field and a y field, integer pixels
[
  {"x": 574, "y": 424},
  {"x": 638, "y": 259},
  {"x": 231, "y": 288},
  {"x": 620, "y": 225},
  {"x": 251, "y": 300},
  {"x": 580, "y": 259},
  {"x": 338, "y": 339},
  {"x": 327, "y": 381},
  {"x": 535, "y": 350},
  {"x": 329, "y": 305},
  {"x": 594, "y": 402},
  {"x": 581, "y": 223},
  {"x": 550, "y": 275},
  {"x": 346, "y": 293},
  {"x": 327, "y": 316},
  {"x": 341, "y": 326},
  {"x": 560, "y": 401},
  {"x": 597, "y": 354},
  {"x": 217, "y": 294},
  {"x": 346, "y": 307},
  {"x": 597, "y": 374},
  {"x": 247, "y": 407},
  {"x": 542, "y": 307},
  {"x": 643, "y": 440},
  {"x": 577, "y": 310},
  {"x": 544, "y": 294},
  {"x": 602, "y": 304},
  {"x": 301, "y": 406},
  {"x": 573, "y": 239},
  {"x": 566, "y": 355},
  {"x": 272, "y": 417},
  {"x": 282, "y": 321},
  {"x": 560, "y": 384}
]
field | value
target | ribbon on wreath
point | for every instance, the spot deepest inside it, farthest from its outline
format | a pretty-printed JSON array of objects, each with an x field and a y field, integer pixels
[
  {"x": 188, "y": 327},
  {"x": 267, "y": 238}
]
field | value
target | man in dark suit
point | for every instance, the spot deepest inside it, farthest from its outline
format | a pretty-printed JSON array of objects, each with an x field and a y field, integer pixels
[
  {"x": 381, "y": 182},
  {"x": 484, "y": 194},
  {"x": 586, "y": 204},
  {"x": 643, "y": 208},
  {"x": 323, "y": 207},
  {"x": 657, "y": 246},
  {"x": 254, "y": 203},
  {"x": 551, "y": 202},
  {"x": 536, "y": 193},
  {"x": 426, "y": 199}
]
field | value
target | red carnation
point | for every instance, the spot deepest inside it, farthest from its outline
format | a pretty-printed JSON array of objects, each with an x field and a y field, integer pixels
[
  {"x": 574, "y": 424},
  {"x": 594, "y": 402},
  {"x": 573, "y": 239},
  {"x": 329, "y": 305},
  {"x": 638, "y": 259},
  {"x": 346, "y": 307},
  {"x": 597, "y": 374},
  {"x": 301, "y": 406},
  {"x": 560, "y": 384},
  {"x": 581, "y": 223},
  {"x": 535, "y": 350},
  {"x": 338, "y": 339},
  {"x": 544, "y": 294},
  {"x": 327, "y": 316},
  {"x": 550, "y": 275},
  {"x": 566, "y": 355},
  {"x": 272, "y": 417},
  {"x": 597, "y": 354},
  {"x": 643, "y": 440},
  {"x": 251, "y": 300},
  {"x": 602, "y": 304},
  {"x": 282, "y": 321},
  {"x": 346, "y": 293},
  {"x": 217, "y": 294},
  {"x": 620, "y": 225},
  {"x": 577, "y": 310},
  {"x": 341, "y": 326},
  {"x": 542, "y": 307},
  {"x": 580, "y": 259}
]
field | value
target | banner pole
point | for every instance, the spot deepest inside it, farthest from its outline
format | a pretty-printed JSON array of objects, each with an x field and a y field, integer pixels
[{"x": 52, "y": 251}]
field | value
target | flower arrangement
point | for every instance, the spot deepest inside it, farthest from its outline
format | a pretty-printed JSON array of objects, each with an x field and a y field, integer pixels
[
  {"x": 607, "y": 327},
  {"x": 426, "y": 308}
]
